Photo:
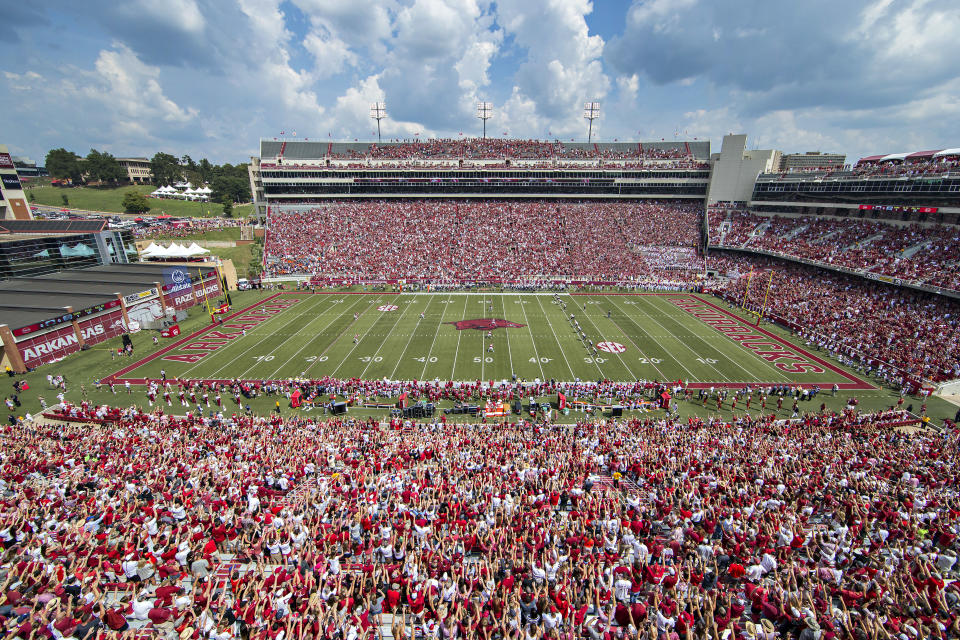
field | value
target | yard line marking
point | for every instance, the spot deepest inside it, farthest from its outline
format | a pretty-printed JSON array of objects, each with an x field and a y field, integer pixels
[
  {"x": 536, "y": 353},
  {"x": 733, "y": 359},
  {"x": 389, "y": 333},
  {"x": 513, "y": 370},
  {"x": 563, "y": 351},
  {"x": 483, "y": 359},
  {"x": 642, "y": 354},
  {"x": 682, "y": 343},
  {"x": 407, "y": 346},
  {"x": 453, "y": 370},
  {"x": 337, "y": 338},
  {"x": 620, "y": 356},
  {"x": 341, "y": 334},
  {"x": 309, "y": 341},
  {"x": 258, "y": 329},
  {"x": 426, "y": 362}
]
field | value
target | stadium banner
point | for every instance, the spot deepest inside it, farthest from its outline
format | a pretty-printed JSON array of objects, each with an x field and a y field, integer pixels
[
  {"x": 170, "y": 332},
  {"x": 6, "y": 162},
  {"x": 10, "y": 181},
  {"x": 49, "y": 347},
  {"x": 176, "y": 279},
  {"x": 68, "y": 317},
  {"x": 187, "y": 298},
  {"x": 134, "y": 298},
  {"x": 103, "y": 327},
  {"x": 899, "y": 209}
]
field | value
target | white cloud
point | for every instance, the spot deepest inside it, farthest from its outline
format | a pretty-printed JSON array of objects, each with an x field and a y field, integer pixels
[
  {"x": 131, "y": 90},
  {"x": 331, "y": 54},
  {"x": 350, "y": 115},
  {"x": 562, "y": 68},
  {"x": 272, "y": 71}
]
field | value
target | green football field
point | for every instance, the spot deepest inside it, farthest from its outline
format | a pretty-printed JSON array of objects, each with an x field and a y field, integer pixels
[{"x": 477, "y": 336}]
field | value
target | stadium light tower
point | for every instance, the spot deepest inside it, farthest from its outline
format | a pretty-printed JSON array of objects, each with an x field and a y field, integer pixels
[
  {"x": 484, "y": 112},
  {"x": 591, "y": 111},
  {"x": 378, "y": 111}
]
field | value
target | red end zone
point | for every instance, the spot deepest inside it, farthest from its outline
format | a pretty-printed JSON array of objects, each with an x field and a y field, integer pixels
[
  {"x": 116, "y": 377},
  {"x": 761, "y": 342}
]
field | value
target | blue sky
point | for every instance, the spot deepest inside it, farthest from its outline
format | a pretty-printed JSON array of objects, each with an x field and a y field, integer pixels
[{"x": 208, "y": 78}]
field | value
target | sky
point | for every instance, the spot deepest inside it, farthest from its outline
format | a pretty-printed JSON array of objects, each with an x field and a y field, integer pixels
[{"x": 209, "y": 78}]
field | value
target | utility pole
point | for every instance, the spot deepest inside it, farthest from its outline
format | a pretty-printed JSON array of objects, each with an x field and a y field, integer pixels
[
  {"x": 591, "y": 111},
  {"x": 378, "y": 111},
  {"x": 484, "y": 112}
]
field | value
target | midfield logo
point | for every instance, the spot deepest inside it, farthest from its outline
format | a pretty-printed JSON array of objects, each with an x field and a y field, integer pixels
[{"x": 485, "y": 324}]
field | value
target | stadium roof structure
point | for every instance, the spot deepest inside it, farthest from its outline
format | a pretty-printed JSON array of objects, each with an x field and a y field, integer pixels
[
  {"x": 314, "y": 150},
  {"x": 25, "y": 301},
  {"x": 916, "y": 155},
  {"x": 52, "y": 226}
]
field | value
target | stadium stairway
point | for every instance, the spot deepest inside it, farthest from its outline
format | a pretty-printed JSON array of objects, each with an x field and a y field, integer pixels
[
  {"x": 795, "y": 232},
  {"x": 760, "y": 230},
  {"x": 863, "y": 243},
  {"x": 909, "y": 252}
]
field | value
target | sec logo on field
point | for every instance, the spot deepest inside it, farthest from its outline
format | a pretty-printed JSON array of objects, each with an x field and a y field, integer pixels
[
  {"x": 387, "y": 307},
  {"x": 611, "y": 347}
]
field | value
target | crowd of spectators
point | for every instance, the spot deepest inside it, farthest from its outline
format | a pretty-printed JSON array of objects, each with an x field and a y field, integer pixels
[
  {"x": 886, "y": 330},
  {"x": 438, "y": 152},
  {"x": 453, "y": 240},
  {"x": 876, "y": 169},
  {"x": 181, "y": 228},
  {"x": 931, "y": 166},
  {"x": 919, "y": 254},
  {"x": 836, "y": 525}
]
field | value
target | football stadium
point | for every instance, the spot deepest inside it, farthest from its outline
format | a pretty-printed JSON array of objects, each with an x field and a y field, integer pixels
[{"x": 445, "y": 387}]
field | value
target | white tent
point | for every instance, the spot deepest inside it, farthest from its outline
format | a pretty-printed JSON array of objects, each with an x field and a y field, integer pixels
[
  {"x": 197, "y": 250},
  {"x": 178, "y": 251},
  {"x": 151, "y": 248},
  {"x": 947, "y": 152},
  {"x": 205, "y": 190}
]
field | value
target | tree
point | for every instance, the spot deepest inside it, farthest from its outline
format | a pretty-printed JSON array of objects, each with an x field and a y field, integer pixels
[
  {"x": 65, "y": 165},
  {"x": 103, "y": 167},
  {"x": 134, "y": 202},
  {"x": 227, "y": 206},
  {"x": 64, "y": 199},
  {"x": 205, "y": 169},
  {"x": 237, "y": 189},
  {"x": 166, "y": 169}
]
